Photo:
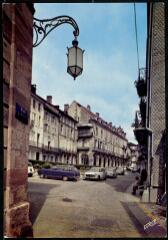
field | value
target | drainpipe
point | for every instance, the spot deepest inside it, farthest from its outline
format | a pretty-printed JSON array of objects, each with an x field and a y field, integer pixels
[
  {"x": 148, "y": 76},
  {"x": 166, "y": 87}
]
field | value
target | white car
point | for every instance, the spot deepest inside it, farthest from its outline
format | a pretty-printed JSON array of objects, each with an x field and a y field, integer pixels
[
  {"x": 30, "y": 169},
  {"x": 97, "y": 173},
  {"x": 111, "y": 172},
  {"x": 120, "y": 170}
]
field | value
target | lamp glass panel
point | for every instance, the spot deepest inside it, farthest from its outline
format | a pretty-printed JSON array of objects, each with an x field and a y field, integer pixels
[
  {"x": 72, "y": 56},
  {"x": 80, "y": 58}
]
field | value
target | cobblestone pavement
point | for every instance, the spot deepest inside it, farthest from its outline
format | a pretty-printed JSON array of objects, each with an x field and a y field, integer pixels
[{"x": 88, "y": 209}]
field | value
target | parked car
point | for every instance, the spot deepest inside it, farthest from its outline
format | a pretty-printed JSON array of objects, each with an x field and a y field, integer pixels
[
  {"x": 30, "y": 169},
  {"x": 111, "y": 172},
  {"x": 128, "y": 168},
  {"x": 97, "y": 173},
  {"x": 60, "y": 172},
  {"x": 134, "y": 169},
  {"x": 120, "y": 170}
]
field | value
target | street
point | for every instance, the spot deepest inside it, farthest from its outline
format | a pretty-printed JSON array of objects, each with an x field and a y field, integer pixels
[{"x": 88, "y": 209}]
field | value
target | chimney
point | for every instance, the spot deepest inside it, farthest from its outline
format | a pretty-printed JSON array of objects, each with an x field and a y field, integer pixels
[
  {"x": 97, "y": 114},
  {"x": 49, "y": 99},
  {"x": 66, "y": 106},
  {"x": 88, "y": 107},
  {"x": 33, "y": 88}
]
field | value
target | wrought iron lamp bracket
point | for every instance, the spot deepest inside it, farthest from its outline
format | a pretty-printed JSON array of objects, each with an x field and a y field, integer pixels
[{"x": 45, "y": 26}]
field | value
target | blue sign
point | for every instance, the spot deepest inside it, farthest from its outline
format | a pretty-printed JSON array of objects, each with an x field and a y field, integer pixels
[{"x": 21, "y": 114}]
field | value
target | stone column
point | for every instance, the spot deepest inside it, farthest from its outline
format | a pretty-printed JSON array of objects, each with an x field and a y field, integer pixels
[{"x": 17, "y": 51}]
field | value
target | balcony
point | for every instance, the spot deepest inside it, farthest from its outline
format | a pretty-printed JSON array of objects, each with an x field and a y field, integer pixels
[
  {"x": 141, "y": 84},
  {"x": 84, "y": 130},
  {"x": 85, "y": 134},
  {"x": 34, "y": 145},
  {"x": 51, "y": 150},
  {"x": 82, "y": 148},
  {"x": 140, "y": 131}
]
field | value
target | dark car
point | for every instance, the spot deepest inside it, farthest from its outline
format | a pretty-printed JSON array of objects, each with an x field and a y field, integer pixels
[{"x": 60, "y": 172}]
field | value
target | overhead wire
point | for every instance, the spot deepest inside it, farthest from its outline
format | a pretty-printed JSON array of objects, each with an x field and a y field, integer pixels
[{"x": 136, "y": 35}]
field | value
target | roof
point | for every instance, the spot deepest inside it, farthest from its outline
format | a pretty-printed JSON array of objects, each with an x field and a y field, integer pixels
[
  {"x": 52, "y": 108},
  {"x": 93, "y": 117}
]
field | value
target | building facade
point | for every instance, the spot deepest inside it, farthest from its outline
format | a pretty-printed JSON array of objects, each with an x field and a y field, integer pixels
[
  {"x": 150, "y": 125},
  {"x": 58, "y": 136},
  {"x": 156, "y": 100},
  {"x": 99, "y": 143},
  {"x": 53, "y": 133},
  {"x": 17, "y": 69}
]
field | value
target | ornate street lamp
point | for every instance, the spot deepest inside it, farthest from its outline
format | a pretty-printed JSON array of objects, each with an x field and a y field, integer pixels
[
  {"x": 75, "y": 59},
  {"x": 75, "y": 54}
]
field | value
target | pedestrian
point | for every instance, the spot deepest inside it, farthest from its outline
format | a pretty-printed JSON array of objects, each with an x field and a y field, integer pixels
[
  {"x": 143, "y": 177},
  {"x": 135, "y": 186}
]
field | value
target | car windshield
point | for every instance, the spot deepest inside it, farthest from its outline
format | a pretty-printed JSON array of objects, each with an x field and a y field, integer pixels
[{"x": 111, "y": 169}]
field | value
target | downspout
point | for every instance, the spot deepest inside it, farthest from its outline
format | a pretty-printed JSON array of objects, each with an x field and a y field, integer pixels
[
  {"x": 166, "y": 90},
  {"x": 148, "y": 69}
]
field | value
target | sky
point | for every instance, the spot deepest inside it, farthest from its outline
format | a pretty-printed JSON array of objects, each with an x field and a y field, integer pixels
[{"x": 107, "y": 34}]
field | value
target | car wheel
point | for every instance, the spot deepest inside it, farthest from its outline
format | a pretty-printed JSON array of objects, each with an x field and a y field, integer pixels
[
  {"x": 98, "y": 178},
  {"x": 65, "y": 178},
  {"x": 77, "y": 178}
]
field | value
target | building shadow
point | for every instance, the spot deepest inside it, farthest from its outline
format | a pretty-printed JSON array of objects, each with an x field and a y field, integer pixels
[
  {"x": 37, "y": 194},
  {"x": 131, "y": 208},
  {"x": 140, "y": 220}
]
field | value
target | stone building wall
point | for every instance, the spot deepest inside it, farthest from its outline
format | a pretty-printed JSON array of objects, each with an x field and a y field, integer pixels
[
  {"x": 106, "y": 145},
  {"x": 157, "y": 117},
  {"x": 17, "y": 70},
  {"x": 36, "y": 128},
  {"x": 57, "y": 132}
]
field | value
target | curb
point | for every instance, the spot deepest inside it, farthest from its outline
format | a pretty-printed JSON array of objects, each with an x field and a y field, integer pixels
[
  {"x": 150, "y": 214},
  {"x": 147, "y": 211}
]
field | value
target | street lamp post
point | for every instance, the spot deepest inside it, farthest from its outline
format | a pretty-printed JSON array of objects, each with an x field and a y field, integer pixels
[{"x": 75, "y": 54}]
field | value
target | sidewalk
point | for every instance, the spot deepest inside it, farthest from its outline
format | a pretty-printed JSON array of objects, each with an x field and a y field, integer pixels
[{"x": 152, "y": 212}]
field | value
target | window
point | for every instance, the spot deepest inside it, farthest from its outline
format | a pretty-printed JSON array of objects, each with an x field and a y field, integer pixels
[
  {"x": 52, "y": 120},
  {"x": 83, "y": 142},
  {"x": 34, "y": 117},
  {"x": 34, "y": 103},
  {"x": 38, "y": 136},
  {"x": 61, "y": 128},
  {"x": 44, "y": 157},
  {"x": 39, "y": 106},
  {"x": 49, "y": 145},
  {"x": 39, "y": 120},
  {"x": 37, "y": 156},
  {"x": 95, "y": 143},
  {"x": 96, "y": 131}
]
